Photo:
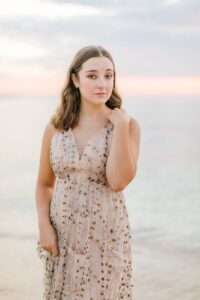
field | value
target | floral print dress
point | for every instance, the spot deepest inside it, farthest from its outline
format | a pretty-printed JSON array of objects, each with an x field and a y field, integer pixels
[{"x": 91, "y": 220}]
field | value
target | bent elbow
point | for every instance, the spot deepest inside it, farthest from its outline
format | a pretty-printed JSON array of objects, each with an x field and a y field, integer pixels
[{"x": 117, "y": 188}]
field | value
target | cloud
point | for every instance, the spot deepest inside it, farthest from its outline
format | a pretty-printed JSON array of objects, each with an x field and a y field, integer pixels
[
  {"x": 146, "y": 38},
  {"x": 49, "y": 10},
  {"x": 21, "y": 49},
  {"x": 158, "y": 86}
]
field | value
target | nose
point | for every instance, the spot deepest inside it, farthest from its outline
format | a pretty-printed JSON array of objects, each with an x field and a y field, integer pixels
[{"x": 101, "y": 83}]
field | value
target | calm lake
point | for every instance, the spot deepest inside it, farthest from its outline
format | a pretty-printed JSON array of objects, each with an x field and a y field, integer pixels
[{"x": 163, "y": 201}]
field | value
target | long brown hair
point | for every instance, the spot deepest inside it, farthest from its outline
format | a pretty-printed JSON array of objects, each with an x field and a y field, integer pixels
[{"x": 67, "y": 113}]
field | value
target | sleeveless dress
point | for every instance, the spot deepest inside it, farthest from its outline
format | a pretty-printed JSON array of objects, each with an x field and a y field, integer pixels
[{"x": 91, "y": 220}]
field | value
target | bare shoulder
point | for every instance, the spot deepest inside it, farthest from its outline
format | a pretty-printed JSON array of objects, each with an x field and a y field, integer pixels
[
  {"x": 46, "y": 175},
  {"x": 135, "y": 127},
  {"x": 49, "y": 131}
]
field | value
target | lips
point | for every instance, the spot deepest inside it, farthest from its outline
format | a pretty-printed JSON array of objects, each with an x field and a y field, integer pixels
[{"x": 100, "y": 94}]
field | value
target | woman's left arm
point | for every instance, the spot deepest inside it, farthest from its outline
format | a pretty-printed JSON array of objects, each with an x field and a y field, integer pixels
[{"x": 122, "y": 160}]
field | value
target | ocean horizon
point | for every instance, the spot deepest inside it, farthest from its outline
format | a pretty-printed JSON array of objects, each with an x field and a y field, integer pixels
[{"x": 162, "y": 200}]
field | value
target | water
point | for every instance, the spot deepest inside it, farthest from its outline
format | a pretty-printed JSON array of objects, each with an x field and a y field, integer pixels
[{"x": 162, "y": 200}]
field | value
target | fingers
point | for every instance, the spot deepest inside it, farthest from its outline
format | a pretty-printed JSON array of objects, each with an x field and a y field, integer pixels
[{"x": 55, "y": 251}]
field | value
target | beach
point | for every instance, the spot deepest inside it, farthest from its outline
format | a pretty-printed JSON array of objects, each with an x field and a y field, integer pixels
[{"x": 162, "y": 201}]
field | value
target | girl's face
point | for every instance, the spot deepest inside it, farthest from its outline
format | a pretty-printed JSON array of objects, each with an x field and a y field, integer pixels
[{"x": 96, "y": 79}]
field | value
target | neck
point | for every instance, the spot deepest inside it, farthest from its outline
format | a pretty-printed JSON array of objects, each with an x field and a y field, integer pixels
[{"x": 93, "y": 112}]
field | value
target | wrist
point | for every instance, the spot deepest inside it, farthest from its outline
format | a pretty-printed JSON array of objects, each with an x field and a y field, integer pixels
[{"x": 44, "y": 222}]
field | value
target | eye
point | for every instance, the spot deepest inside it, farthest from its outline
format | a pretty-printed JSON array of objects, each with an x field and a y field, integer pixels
[
  {"x": 91, "y": 76},
  {"x": 94, "y": 76}
]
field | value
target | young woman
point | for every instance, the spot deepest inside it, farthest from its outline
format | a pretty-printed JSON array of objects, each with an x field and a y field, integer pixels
[{"x": 89, "y": 155}]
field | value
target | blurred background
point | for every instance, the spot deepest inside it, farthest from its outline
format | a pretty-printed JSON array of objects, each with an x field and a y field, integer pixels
[{"x": 155, "y": 46}]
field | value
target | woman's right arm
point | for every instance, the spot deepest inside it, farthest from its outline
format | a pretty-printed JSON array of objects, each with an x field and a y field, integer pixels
[{"x": 44, "y": 189}]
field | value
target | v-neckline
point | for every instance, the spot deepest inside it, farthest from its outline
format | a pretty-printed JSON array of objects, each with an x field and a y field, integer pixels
[{"x": 79, "y": 157}]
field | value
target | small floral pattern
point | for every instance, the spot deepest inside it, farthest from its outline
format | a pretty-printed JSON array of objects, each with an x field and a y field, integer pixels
[{"x": 91, "y": 220}]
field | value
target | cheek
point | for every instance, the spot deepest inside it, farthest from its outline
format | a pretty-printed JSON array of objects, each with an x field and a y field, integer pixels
[
  {"x": 88, "y": 85},
  {"x": 110, "y": 85}
]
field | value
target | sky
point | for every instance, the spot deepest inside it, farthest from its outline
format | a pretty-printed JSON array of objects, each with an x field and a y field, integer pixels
[{"x": 155, "y": 44}]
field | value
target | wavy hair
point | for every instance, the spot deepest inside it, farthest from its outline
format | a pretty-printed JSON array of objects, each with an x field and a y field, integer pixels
[{"x": 67, "y": 112}]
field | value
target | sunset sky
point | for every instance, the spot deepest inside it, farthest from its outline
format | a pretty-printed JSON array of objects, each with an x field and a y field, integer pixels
[{"x": 155, "y": 44}]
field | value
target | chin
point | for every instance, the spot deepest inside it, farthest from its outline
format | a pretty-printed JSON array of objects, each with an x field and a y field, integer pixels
[{"x": 98, "y": 101}]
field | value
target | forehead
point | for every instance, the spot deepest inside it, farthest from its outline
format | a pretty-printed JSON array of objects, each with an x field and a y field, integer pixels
[{"x": 98, "y": 64}]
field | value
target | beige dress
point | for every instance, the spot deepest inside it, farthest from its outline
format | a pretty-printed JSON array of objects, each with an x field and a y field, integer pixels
[{"x": 91, "y": 221}]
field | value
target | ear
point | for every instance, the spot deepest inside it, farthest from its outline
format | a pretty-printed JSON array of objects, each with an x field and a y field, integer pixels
[{"x": 74, "y": 79}]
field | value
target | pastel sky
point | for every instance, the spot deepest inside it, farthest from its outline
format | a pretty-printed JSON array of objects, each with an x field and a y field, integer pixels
[{"x": 155, "y": 44}]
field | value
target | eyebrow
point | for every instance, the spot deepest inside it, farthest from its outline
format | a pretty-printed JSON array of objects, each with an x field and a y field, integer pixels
[{"x": 97, "y": 71}]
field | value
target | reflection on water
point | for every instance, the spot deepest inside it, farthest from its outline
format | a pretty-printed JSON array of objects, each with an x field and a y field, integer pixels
[{"x": 162, "y": 201}]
